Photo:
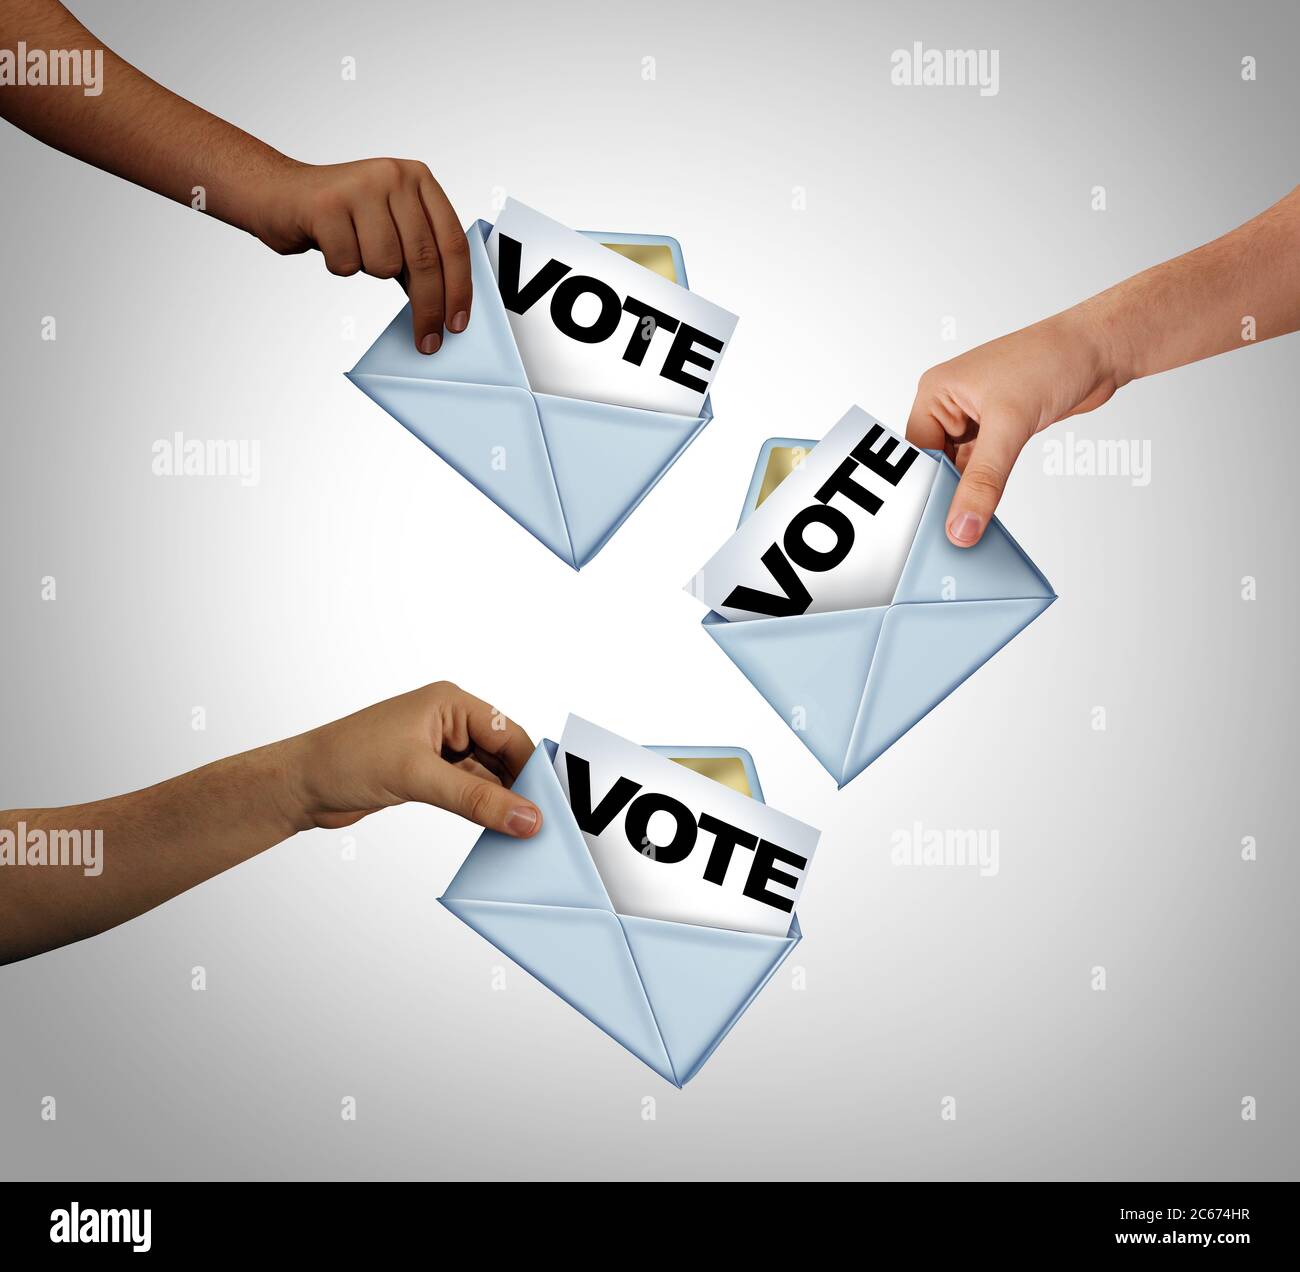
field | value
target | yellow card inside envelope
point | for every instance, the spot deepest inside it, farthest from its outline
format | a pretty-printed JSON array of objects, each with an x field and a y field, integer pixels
[
  {"x": 654, "y": 256},
  {"x": 780, "y": 464},
  {"x": 729, "y": 770}
]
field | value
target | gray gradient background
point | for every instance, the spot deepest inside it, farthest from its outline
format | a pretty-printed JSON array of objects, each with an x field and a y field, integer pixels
[{"x": 361, "y": 566}]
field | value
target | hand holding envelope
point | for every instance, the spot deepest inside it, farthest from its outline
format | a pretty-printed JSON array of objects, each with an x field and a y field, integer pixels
[
  {"x": 656, "y": 900},
  {"x": 581, "y": 378},
  {"x": 842, "y": 600}
]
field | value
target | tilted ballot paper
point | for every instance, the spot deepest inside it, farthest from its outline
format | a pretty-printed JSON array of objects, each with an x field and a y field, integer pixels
[{"x": 841, "y": 598}]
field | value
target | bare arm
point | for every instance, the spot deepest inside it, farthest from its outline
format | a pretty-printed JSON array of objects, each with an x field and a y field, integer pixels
[
  {"x": 386, "y": 216},
  {"x": 985, "y": 405},
  {"x": 438, "y": 745}
]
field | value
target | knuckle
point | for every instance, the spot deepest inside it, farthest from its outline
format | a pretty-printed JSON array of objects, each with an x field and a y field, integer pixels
[
  {"x": 478, "y": 801},
  {"x": 386, "y": 172},
  {"x": 424, "y": 256},
  {"x": 329, "y": 204},
  {"x": 343, "y": 266},
  {"x": 982, "y": 479},
  {"x": 387, "y": 265},
  {"x": 457, "y": 249}
]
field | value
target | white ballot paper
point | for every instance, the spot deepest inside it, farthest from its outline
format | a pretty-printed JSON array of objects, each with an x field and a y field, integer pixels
[
  {"x": 670, "y": 843},
  {"x": 834, "y": 535},
  {"x": 589, "y": 323}
]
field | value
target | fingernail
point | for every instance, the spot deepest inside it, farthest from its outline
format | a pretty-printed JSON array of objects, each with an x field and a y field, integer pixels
[
  {"x": 431, "y": 343},
  {"x": 459, "y": 322},
  {"x": 521, "y": 822},
  {"x": 966, "y": 527}
]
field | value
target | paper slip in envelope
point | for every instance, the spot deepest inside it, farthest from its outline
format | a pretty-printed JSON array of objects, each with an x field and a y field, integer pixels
[
  {"x": 525, "y": 423},
  {"x": 841, "y": 599},
  {"x": 591, "y": 323},
  {"x": 666, "y": 989},
  {"x": 833, "y": 535},
  {"x": 670, "y": 843}
]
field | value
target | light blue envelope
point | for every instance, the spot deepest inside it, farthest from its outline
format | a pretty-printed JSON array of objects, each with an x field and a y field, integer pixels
[
  {"x": 852, "y": 682},
  {"x": 669, "y": 992},
  {"x": 569, "y": 471}
]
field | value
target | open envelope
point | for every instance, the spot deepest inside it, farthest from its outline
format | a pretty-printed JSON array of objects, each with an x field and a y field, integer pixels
[
  {"x": 668, "y": 992},
  {"x": 850, "y": 682},
  {"x": 569, "y": 471}
]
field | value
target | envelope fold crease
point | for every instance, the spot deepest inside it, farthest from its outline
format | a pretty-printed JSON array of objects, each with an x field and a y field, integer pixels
[
  {"x": 925, "y": 651},
  {"x": 812, "y": 668},
  {"x": 581, "y": 955},
  {"x": 502, "y": 452},
  {"x": 605, "y": 460},
  {"x": 699, "y": 981}
]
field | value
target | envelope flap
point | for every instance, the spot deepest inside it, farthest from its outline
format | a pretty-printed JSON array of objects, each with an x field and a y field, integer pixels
[
  {"x": 812, "y": 668},
  {"x": 581, "y": 955},
  {"x": 699, "y": 981},
  {"x": 606, "y": 459},
  {"x": 994, "y": 569},
  {"x": 488, "y": 434},
  {"x": 924, "y": 653},
  {"x": 553, "y": 868},
  {"x": 484, "y": 353}
]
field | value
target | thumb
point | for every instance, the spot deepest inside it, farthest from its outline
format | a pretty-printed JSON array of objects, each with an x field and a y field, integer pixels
[
  {"x": 993, "y": 453},
  {"x": 488, "y": 803}
]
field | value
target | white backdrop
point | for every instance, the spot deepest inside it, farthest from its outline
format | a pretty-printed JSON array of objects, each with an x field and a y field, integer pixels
[{"x": 846, "y": 221}]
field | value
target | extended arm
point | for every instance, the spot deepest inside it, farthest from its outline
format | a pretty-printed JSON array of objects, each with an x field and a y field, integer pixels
[
  {"x": 386, "y": 216},
  {"x": 68, "y": 873},
  {"x": 983, "y": 406}
]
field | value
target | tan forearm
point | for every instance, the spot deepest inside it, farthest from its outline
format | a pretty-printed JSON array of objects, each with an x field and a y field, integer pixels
[
  {"x": 133, "y": 852},
  {"x": 1240, "y": 288},
  {"x": 134, "y": 127}
]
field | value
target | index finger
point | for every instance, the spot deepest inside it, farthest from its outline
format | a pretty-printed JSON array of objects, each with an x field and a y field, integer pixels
[{"x": 923, "y": 429}]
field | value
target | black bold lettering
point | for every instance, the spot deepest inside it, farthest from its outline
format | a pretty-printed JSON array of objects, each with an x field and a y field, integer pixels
[
  {"x": 594, "y": 820},
  {"x": 726, "y": 838},
  {"x": 641, "y": 335},
  {"x": 841, "y": 482},
  {"x": 518, "y": 301},
  {"x": 566, "y": 296},
  {"x": 638, "y": 825},
  {"x": 763, "y": 871},
  {"x": 802, "y": 554},
  {"x": 793, "y": 598},
  {"x": 683, "y": 351},
  {"x": 879, "y": 461}
]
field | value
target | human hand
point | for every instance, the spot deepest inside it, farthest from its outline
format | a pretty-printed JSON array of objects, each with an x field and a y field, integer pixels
[
  {"x": 437, "y": 745},
  {"x": 388, "y": 217},
  {"x": 984, "y": 405}
]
